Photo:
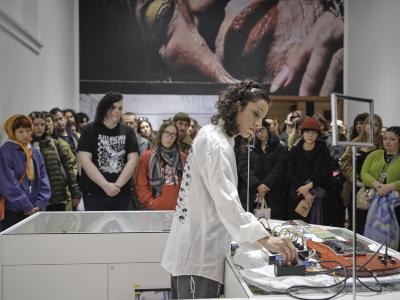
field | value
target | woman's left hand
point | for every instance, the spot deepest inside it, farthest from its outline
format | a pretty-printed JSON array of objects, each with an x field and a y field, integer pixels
[
  {"x": 385, "y": 189},
  {"x": 304, "y": 189}
]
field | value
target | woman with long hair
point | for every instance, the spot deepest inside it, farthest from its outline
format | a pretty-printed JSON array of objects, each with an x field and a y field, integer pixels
[
  {"x": 146, "y": 130},
  {"x": 346, "y": 165},
  {"x": 24, "y": 182},
  {"x": 160, "y": 170},
  {"x": 268, "y": 162},
  {"x": 194, "y": 128},
  {"x": 108, "y": 154}
]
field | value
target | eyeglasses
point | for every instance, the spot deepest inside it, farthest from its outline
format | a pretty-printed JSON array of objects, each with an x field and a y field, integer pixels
[{"x": 168, "y": 134}]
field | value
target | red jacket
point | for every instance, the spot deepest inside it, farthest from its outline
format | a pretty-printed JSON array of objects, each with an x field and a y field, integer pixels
[{"x": 169, "y": 191}]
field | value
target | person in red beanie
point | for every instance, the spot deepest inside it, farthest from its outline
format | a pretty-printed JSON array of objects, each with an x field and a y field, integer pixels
[{"x": 310, "y": 175}]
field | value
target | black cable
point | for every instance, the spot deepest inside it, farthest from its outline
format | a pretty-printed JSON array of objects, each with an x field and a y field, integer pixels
[
  {"x": 290, "y": 291},
  {"x": 268, "y": 229},
  {"x": 361, "y": 268}
]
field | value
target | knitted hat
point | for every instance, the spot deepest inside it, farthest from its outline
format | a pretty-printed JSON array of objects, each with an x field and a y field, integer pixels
[
  {"x": 310, "y": 123},
  {"x": 8, "y": 128}
]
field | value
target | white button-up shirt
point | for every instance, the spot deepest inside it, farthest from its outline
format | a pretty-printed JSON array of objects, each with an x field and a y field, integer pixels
[{"x": 208, "y": 214}]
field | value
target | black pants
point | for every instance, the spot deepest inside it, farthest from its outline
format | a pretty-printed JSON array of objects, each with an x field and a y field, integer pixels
[
  {"x": 194, "y": 287},
  {"x": 11, "y": 218},
  {"x": 56, "y": 207},
  {"x": 100, "y": 201}
]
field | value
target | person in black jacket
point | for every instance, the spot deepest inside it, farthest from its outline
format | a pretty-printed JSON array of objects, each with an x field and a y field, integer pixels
[
  {"x": 310, "y": 175},
  {"x": 267, "y": 173}
]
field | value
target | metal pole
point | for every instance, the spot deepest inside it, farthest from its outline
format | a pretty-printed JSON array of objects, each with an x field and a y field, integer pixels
[
  {"x": 248, "y": 177},
  {"x": 354, "y": 149},
  {"x": 249, "y": 147}
]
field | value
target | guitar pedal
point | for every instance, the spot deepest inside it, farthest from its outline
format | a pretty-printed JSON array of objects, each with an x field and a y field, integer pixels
[{"x": 294, "y": 268}]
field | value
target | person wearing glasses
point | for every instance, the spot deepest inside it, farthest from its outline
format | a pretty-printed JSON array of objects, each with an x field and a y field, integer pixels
[
  {"x": 160, "y": 170},
  {"x": 208, "y": 214},
  {"x": 267, "y": 173}
]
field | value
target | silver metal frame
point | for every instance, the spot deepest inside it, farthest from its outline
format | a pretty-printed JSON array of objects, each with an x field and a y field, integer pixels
[{"x": 334, "y": 99}]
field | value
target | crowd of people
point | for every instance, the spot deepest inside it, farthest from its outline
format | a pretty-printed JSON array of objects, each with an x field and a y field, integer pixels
[{"x": 53, "y": 160}]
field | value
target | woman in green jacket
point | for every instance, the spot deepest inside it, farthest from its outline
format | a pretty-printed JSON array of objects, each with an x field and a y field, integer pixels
[{"x": 60, "y": 165}]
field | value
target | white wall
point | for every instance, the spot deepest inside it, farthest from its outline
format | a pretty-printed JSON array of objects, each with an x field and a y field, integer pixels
[
  {"x": 159, "y": 107},
  {"x": 30, "y": 81},
  {"x": 372, "y": 56}
]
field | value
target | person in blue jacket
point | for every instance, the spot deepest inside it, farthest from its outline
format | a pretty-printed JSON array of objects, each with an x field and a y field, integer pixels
[{"x": 23, "y": 179}]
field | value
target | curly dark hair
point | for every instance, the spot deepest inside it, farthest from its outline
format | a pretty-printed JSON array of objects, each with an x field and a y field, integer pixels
[{"x": 241, "y": 93}]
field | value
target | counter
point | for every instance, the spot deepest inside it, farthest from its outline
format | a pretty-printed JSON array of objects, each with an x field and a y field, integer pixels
[{"x": 84, "y": 255}]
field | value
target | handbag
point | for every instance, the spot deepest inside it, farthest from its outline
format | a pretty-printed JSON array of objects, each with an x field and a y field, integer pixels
[
  {"x": 303, "y": 208},
  {"x": 3, "y": 200},
  {"x": 262, "y": 210},
  {"x": 364, "y": 197}
]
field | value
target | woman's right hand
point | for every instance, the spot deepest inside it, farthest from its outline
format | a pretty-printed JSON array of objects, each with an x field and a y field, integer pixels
[
  {"x": 359, "y": 183},
  {"x": 281, "y": 245},
  {"x": 32, "y": 211},
  {"x": 262, "y": 189}
]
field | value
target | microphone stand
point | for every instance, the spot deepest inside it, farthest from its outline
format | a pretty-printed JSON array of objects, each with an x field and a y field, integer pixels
[{"x": 249, "y": 147}]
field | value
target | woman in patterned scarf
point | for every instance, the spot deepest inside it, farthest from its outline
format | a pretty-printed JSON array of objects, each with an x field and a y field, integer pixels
[{"x": 160, "y": 170}]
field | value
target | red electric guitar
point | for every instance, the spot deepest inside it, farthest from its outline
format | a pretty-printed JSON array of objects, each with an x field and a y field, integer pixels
[{"x": 342, "y": 252}]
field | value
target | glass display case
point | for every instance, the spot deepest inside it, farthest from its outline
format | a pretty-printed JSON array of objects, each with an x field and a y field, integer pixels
[
  {"x": 248, "y": 274},
  {"x": 84, "y": 255},
  {"x": 93, "y": 222}
]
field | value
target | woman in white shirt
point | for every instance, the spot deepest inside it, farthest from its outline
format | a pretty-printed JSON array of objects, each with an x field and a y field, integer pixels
[{"x": 209, "y": 215}]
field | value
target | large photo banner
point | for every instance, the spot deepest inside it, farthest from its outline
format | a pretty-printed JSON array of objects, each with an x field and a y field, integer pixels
[{"x": 200, "y": 46}]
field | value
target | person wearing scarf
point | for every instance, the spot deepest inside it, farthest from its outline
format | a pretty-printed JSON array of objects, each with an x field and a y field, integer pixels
[
  {"x": 160, "y": 171},
  {"x": 24, "y": 182}
]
